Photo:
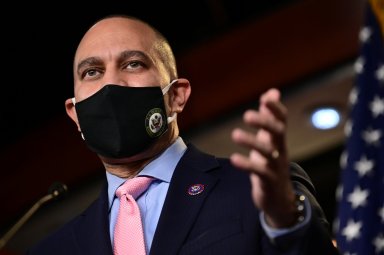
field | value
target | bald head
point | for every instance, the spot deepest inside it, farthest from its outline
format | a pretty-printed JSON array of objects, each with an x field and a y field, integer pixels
[{"x": 124, "y": 33}]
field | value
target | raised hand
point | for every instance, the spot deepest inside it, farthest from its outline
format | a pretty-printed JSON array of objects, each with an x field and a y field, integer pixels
[{"x": 267, "y": 161}]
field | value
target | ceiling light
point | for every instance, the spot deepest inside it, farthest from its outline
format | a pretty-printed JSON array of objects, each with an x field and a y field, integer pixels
[{"x": 325, "y": 118}]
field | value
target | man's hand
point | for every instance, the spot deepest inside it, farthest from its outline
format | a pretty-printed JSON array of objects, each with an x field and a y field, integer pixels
[{"x": 267, "y": 161}]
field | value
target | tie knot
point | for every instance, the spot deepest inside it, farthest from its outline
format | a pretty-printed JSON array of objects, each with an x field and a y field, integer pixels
[{"x": 134, "y": 186}]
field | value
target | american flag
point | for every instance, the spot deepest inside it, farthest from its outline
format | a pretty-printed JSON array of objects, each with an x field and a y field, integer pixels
[{"x": 359, "y": 225}]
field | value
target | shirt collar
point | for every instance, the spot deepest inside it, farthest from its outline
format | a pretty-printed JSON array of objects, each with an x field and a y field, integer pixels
[{"x": 161, "y": 168}]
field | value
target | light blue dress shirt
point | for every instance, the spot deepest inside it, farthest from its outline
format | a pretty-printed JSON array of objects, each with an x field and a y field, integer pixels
[{"x": 152, "y": 200}]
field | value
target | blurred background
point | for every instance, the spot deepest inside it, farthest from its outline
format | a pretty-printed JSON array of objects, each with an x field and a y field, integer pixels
[{"x": 231, "y": 51}]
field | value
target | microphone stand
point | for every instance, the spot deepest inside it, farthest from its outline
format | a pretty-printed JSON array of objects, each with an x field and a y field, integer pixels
[{"x": 57, "y": 190}]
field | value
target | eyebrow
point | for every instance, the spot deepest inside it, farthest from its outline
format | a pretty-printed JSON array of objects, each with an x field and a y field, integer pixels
[
  {"x": 133, "y": 53},
  {"x": 92, "y": 61}
]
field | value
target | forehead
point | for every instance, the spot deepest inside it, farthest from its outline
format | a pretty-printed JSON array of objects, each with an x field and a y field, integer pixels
[{"x": 113, "y": 35}]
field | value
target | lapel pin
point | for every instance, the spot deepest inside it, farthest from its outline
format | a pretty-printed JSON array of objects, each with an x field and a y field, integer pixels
[{"x": 195, "y": 189}]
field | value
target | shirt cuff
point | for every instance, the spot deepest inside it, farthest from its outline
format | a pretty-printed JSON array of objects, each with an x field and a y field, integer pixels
[{"x": 276, "y": 232}]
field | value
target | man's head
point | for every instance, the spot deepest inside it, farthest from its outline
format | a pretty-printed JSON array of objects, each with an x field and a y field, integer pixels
[
  {"x": 116, "y": 43},
  {"x": 127, "y": 52}
]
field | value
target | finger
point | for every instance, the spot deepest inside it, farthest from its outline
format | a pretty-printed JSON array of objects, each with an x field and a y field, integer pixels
[
  {"x": 264, "y": 121},
  {"x": 272, "y": 94},
  {"x": 278, "y": 110},
  {"x": 270, "y": 104},
  {"x": 255, "y": 163},
  {"x": 270, "y": 101},
  {"x": 251, "y": 141}
]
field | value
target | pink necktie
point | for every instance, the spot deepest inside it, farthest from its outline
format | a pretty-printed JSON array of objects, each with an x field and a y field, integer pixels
[{"x": 128, "y": 235}]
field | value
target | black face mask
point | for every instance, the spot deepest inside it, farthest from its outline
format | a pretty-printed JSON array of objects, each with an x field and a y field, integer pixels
[{"x": 119, "y": 121}]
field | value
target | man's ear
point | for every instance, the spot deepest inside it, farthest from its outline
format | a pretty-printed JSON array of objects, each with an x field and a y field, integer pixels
[
  {"x": 181, "y": 90},
  {"x": 71, "y": 111}
]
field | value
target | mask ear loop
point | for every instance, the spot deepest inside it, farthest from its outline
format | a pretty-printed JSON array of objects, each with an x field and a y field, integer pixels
[
  {"x": 74, "y": 103},
  {"x": 165, "y": 91},
  {"x": 172, "y": 118},
  {"x": 166, "y": 88}
]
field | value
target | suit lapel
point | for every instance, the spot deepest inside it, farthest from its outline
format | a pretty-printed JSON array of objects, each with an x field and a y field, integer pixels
[
  {"x": 92, "y": 230},
  {"x": 181, "y": 208}
]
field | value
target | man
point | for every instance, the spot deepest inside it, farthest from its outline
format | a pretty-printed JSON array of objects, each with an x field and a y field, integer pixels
[{"x": 125, "y": 76}]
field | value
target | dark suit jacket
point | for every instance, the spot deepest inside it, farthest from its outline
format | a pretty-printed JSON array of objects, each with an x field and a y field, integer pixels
[{"x": 220, "y": 220}]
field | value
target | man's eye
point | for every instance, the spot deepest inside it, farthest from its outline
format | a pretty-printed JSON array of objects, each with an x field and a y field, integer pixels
[
  {"x": 134, "y": 64},
  {"x": 90, "y": 73}
]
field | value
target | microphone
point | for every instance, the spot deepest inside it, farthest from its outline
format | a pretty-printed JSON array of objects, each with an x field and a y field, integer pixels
[{"x": 56, "y": 191}]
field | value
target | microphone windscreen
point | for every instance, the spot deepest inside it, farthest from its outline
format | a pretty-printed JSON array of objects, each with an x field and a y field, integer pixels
[{"x": 58, "y": 190}]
